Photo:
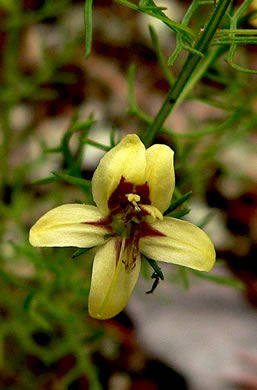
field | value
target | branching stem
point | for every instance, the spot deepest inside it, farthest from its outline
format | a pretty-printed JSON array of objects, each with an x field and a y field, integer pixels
[{"x": 189, "y": 66}]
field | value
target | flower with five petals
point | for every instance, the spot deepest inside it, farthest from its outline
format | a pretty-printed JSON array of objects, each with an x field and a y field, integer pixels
[{"x": 132, "y": 187}]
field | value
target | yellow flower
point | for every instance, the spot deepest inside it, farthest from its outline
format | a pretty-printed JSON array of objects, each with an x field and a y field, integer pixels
[{"x": 132, "y": 187}]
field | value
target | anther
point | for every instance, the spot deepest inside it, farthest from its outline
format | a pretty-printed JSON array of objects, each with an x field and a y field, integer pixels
[
  {"x": 152, "y": 211},
  {"x": 134, "y": 198}
]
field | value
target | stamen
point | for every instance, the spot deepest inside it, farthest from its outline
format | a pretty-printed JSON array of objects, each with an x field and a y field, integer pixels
[
  {"x": 152, "y": 211},
  {"x": 134, "y": 199}
]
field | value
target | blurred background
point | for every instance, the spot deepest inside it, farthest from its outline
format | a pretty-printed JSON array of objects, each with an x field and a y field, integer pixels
[{"x": 196, "y": 331}]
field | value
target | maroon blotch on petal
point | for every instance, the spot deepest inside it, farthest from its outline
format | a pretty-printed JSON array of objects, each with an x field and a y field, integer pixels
[
  {"x": 144, "y": 192},
  {"x": 147, "y": 230},
  {"x": 103, "y": 222},
  {"x": 118, "y": 198}
]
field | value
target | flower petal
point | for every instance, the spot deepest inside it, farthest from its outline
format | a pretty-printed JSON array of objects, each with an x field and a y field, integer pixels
[
  {"x": 66, "y": 226},
  {"x": 111, "y": 285},
  {"x": 126, "y": 159},
  {"x": 184, "y": 244},
  {"x": 160, "y": 175}
]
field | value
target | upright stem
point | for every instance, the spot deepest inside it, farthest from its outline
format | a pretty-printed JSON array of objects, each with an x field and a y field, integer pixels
[{"x": 189, "y": 66}]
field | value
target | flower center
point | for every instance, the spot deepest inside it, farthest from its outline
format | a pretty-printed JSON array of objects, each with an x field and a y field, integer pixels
[
  {"x": 134, "y": 199},
  {"x": 131, "y": 214}
]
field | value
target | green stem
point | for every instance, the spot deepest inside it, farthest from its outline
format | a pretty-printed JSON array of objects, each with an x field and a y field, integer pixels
[
  {"x": 88, "y": 26},
  {"x": 95, "y": 144},
  {"x": 189, "y": 66}
]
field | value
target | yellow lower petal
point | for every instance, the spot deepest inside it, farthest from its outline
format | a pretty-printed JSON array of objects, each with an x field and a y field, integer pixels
[
  {"x": 111, "y": 284},
  {"x": 66, "y": 226},
  {"x": 184, "y": 244}
]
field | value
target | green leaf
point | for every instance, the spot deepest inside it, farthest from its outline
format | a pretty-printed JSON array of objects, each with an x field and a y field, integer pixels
[
  {"x": 173, "y": 57},
  {"x": 131, "y": 92},
  {"x": 206, "y": 219},
  {"x": 178, "y": 214},
  {"x": 88, "y": 26},
  {"x": 112, "y": 137},
  {"x": 178, "y": 202},
  {"x": 58, "y": 149},
  {"x": 147, "y": 4},
  {"x": 95, "y": 144},
  {"x": 160, "y": 56},
  {"x": 45, "y": 180},
  {"x": 184, "y": 276},
  {"x": 69, "y": 157},
  {"x": 149, "y": 8},
  {"x": 229, "y": 282},
  {"x": 155, "y": 267},
  {"x": 240, "y": 68},
  {"x": 28, "y": 300},
  {"x": 80, "y": 252},
  {"x": 83, "y": 183}
]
